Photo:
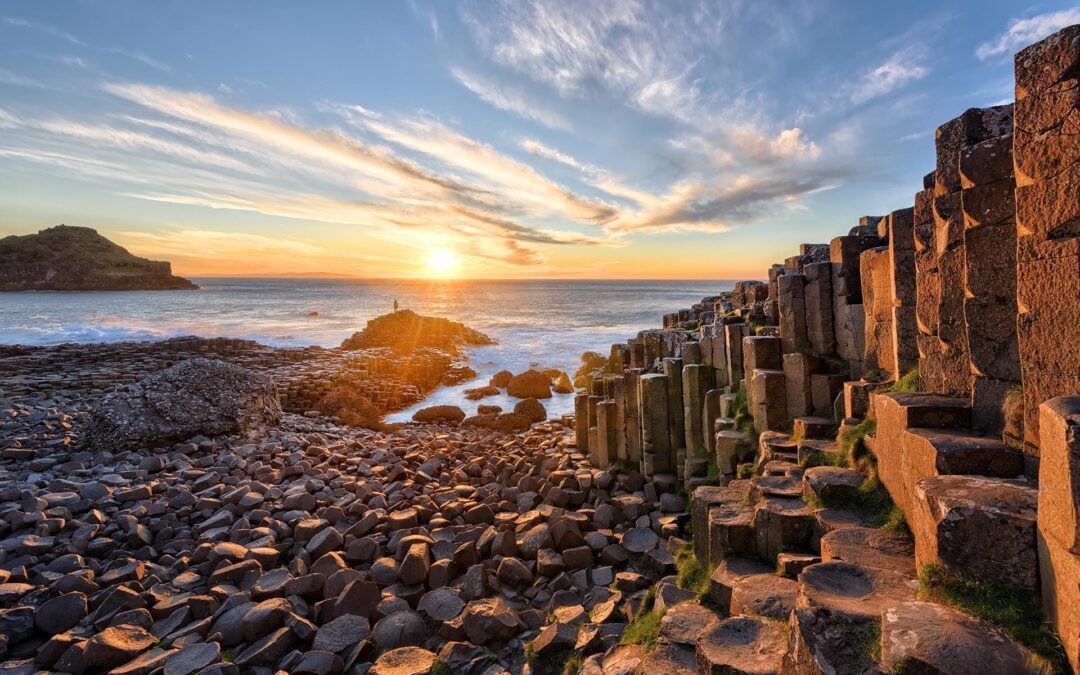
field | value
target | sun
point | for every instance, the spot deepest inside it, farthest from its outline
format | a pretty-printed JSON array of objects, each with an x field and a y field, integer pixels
[{"x": 441, "y": 262}]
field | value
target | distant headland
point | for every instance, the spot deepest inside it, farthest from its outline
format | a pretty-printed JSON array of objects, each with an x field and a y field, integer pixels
[{"x": 66, "y": 258}]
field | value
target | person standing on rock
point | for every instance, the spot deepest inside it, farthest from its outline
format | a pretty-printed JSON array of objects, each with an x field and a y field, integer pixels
[{"x": 395, "y": 306}]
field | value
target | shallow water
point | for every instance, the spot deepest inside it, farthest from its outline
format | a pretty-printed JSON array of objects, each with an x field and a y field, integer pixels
[{"x": 546, "y": 323}]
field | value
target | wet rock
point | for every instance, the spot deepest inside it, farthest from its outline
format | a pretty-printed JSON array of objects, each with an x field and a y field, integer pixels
[
  {"x": 439, "y": 413},
  {"x": 529, "y": 384}
]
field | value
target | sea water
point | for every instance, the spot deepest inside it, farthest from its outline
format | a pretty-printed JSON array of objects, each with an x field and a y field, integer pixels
[{"x": 546, "y": 323}]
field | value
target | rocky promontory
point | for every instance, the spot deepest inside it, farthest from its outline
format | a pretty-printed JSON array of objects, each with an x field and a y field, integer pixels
[{"x": 66, "y": 258}]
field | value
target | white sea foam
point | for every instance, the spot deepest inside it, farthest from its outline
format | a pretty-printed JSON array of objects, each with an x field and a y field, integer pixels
[{"x": 549, "y": 323}]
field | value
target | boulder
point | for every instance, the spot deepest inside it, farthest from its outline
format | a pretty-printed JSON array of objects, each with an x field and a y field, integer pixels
[
  {"x": 532, "y": 409},
  {"x": 439, "y": 413},
  {"x": 530, "y": 384},
  {"x": 194, "y": 397}
]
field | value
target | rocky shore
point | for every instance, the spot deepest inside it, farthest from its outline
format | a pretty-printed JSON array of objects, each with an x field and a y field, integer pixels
[{"x": 866, "y": 464}]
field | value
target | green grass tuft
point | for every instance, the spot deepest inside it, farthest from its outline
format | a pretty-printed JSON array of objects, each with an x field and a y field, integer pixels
[
  {"x": 909, "y": 382},
  {"x": 691, "y": 575},
  {"x": 851, "y": 439},
  {"x": 1017, "y": 612},
  {"x": 644, "y": 630},
  {"x": 439, "y": 667}
]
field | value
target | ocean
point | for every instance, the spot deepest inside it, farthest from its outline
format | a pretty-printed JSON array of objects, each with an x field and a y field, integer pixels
[{"x": 545, "y": 323}]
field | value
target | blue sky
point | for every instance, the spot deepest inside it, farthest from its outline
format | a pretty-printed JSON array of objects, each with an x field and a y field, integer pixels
[{"x": 498, "y": 139}]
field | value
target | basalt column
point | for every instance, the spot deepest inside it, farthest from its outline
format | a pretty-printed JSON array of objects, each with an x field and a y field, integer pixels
[
  {"x": 676, "y": 424},
  {"x": 655, "y": 430},
  {"x": 951, "y": 372},
  {"x": 694, "y": 385},
  {"x": 988, "y": 196},
  {"x": 928, "y": 281},
  {"x": 877, "y": 304},
  {"x": 734, "y": 334},
  {"x": 605, "y": 433},
  {"x": 793, "y": 314},
  {"x": 819, "y": 309},
  {"x": 581, "y": 422},
  {"x": 1046, "y": 153},
  {"x": 618, "y": 396},
  {"x": 631, "y": 410},
  {"x": 905, "y": 351},
  {"x": 849, "y": 320}
]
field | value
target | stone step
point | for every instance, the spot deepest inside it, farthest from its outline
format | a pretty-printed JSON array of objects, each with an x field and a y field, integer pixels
[
  {"x": 870, "y": 547},
  {"x": 782, "y": 467},
  {"x": 702, "y": 500},
  {"x": 931, "y": 638},
  {"x": 810, "y": 447},
  {"x": 790, "y": 564},
  {"x": 983, "y": 528},
  {"x": 730, "y": 531},
  {"x": 833, "y": 485},
  {"x": 919, "y": 453},
  {"x": 742, "y": 644},
  {"x": 814, "y": 427},
  {"x": 763, "y": 487},
  {"x": 853, "y": 592},
  {"x": 765, "y": 595},
  {"x": 906, "y": 410},
  {"x": 781, "y": 524}
]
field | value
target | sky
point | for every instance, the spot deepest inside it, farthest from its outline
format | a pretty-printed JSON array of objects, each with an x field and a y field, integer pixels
[{"x": 672, "y": 139}]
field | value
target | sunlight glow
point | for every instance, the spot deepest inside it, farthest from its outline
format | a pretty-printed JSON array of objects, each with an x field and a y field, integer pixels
[{"x": 441, "y": 262}]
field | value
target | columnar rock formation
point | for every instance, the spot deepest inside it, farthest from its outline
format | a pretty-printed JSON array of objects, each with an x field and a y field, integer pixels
[{"x": 977, "y": 285}]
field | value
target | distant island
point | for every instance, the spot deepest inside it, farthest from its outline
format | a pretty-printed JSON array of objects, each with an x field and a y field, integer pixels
[{"x": 66, "y": 258}]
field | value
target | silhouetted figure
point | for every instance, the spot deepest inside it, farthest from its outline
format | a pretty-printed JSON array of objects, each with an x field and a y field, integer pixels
[{"x": 395, "y": 306}]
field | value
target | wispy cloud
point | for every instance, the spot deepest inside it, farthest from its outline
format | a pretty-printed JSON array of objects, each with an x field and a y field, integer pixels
[
  {"x": 142, "y": 58},
  {"x": 44, "y": 28},
  {"x": 902, "y": 67},
  {"x": 1022, "y": 32},
  {"x": 8, "y": 77},
  {"x": 509, "y": 99}
]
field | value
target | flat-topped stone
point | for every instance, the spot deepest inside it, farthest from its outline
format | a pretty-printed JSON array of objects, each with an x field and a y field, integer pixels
[
  {"x": 981, "y": 527},
  {"x": 853, "y": 592},
  {"x": 870, "y": 547},
  {"x": 685, "y": 622},
  {"x": 927, "y": 637},
  {"x": 813, "y": 427},
  {"x": 727, "y": 573},
  {"x": 730, "y": 531},
  {"x": 762, "y": 487},
  {"x": 767, "y": 595},
  {"x": 742, "y": 644},
  {"x": 832, "y": 484},
  {"x": 781, "y": 524}
]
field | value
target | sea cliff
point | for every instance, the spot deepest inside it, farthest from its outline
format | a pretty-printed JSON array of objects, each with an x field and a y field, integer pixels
[{"x": 66, "y": 258}]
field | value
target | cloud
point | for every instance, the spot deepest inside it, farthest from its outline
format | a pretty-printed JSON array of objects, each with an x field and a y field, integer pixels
[
  {"x": 8, "y": 77},
  {"x": 142, "y": 58},
  {"x": 509, "y": 99},
  {"x": 1022, "y": 32},
  {"x": 194, "y": 151},
  {"x": 540, "y": 150},
  {"x": 902, "y": 67},
  {"x": 44, "y": 28},
  {"x": 7, "y": 120},
  {"x": 74, "y": 61}
]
